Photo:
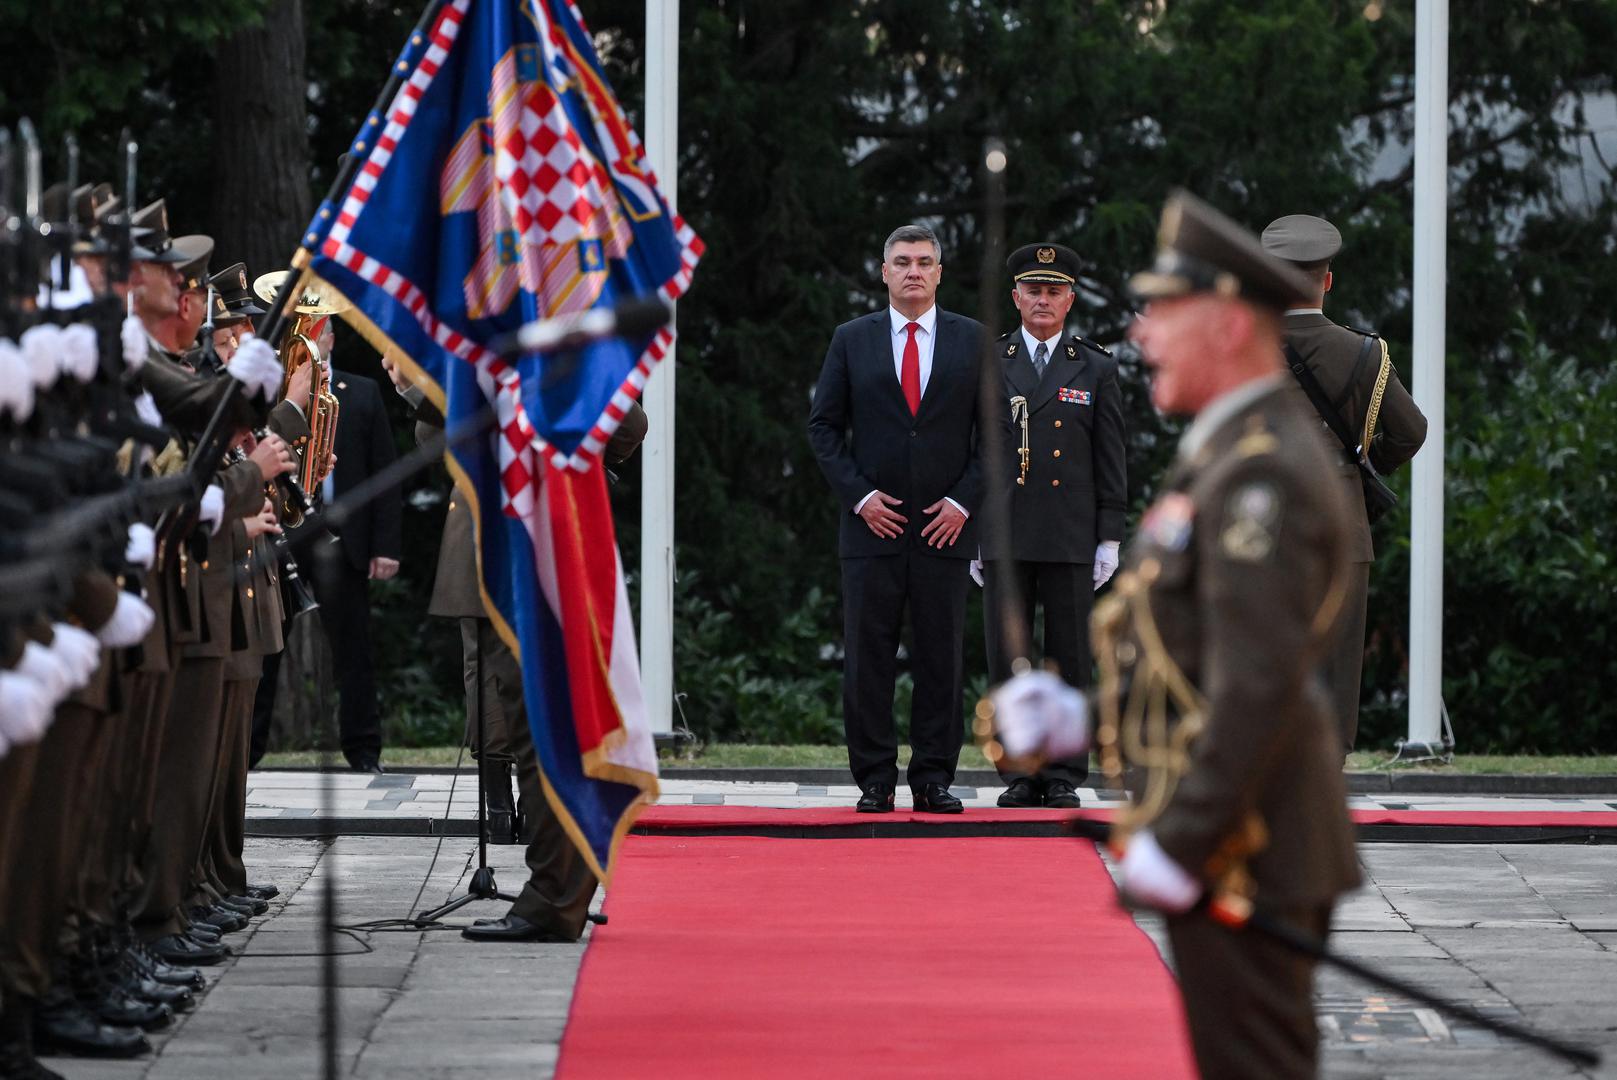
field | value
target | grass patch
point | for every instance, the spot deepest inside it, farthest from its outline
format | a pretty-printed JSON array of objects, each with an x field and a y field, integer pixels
[
  {"x": 1496, "y": 764},
  {"x": 747, "y": 755}
]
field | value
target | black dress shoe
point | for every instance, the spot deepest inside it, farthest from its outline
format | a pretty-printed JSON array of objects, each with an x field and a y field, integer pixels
[
  {"x": 115, "y": 1006},
  {"x": 203, "y": 933},
  {"x": 1061, "y": 795},
  {"x": 167, "y": 974},
  {"x": 512, "y": 928},
  {"x": 502, "y": 827},
  {"x": 221, "y": 919},
  {"x": 146, "y": 988},
  {"x": 179, "y": 949},
  {"x": 66, "y": 1027},
  {"x": 1022, "y": 793},
  {"x": 366, "y": 763},
  {"x": 877, "y": 799},
  {"x": 935, "y": 799},
  {"x": 247, "y": 905},
  {"x": 262, "y": 892}
]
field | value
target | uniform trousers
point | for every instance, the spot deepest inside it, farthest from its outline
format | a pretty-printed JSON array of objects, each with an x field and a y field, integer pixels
[
  {"x": 877, "y": 592},
  {"x": 495, "y": 755},
  {"x": 220, "y": 871},
  {"x": 1067, "y": 592},
  {"x": 42, "y": 876},
  {"x": 147, "y": 696},
  {"x": 560, "y": 884},
  {"x": 1344, "y": 661},
  {"x": 185, "y": 767},
  {"x": 1249, "y": 1000}
]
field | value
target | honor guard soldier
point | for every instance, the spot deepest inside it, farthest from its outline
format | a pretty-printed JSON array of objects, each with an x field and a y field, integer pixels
[
  {"x": 1068, "y": 491},
  {"x": 1349, "y": 378},
  {"x": 1214, "y": 633}
]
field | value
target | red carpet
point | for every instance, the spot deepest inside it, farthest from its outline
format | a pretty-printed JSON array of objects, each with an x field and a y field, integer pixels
[
  {"x": 691, "y": 817},
  {"x": 755, "y": 958}
]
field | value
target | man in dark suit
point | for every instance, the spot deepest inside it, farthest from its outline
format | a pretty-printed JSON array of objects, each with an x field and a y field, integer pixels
[
  {"x": 369, "y": 543},
  {"x": 1353, "y": 370},
  {"x": 1067, "y": 500},
  {"x": 368, "y": 548},
  {"x": 894, "y": 426}
]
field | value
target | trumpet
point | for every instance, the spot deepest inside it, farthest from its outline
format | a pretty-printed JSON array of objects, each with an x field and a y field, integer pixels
[
  {"x": 310, "y": 311},
  {"x": 297, "y": 598}
]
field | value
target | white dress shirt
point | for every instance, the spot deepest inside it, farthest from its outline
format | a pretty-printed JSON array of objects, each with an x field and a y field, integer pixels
[
  {"x": 1049, "y": 344},
  {"x": 925, "y": 338}
]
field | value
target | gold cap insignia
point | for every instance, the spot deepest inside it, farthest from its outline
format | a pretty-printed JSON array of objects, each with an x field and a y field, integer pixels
[
  {"x": 242, "y": 274},
  {"x": 1045, "y": 255}
]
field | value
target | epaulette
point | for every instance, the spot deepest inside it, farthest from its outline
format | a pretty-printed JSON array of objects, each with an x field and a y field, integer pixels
[
  {"x": 1362, "y": 332},
  {"x": 1257, "y": 440},
  {"x": 1103, "y": 350}
]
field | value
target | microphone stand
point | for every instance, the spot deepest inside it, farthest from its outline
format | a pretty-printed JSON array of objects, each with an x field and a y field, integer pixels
[{"x": 482, "y": 886}]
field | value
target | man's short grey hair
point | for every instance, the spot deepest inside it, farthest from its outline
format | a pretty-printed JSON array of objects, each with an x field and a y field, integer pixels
[{"x": 912, "y": 234}]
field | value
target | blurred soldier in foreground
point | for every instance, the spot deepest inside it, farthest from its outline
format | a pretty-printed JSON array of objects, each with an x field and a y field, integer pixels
[
  {"x": 1230, "y": 599},
  {"x": 1350, "y": 381},
  {"x": 1213, "y": 633}
]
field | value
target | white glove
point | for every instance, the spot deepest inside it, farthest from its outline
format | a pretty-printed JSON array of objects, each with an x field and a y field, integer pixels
[
  {"x": 141, "y": 548},
  {"x": 78, "y": 650},
  {"x": 47, "y": 669},
  {"x": 130, "y": 623},
  {"x": 256, "y": 368},
  {"x": 77, "y": 293},
  {"x": 146, "y": 409},
  {"x": 1154, "y": 879},
  {"x": 25, "y": 709},
  {"x": 212, "y": 508},
  {"x": 42, "y": 350},
  {"x": 133, "y": 338},
  {"x": 1105, "y": 562},
  {"x": 977, "y": 569},
  {"x": 16, "y": 382},
  {"x": 80, "y": 355},
  {"x": 1036, "y": 713}
]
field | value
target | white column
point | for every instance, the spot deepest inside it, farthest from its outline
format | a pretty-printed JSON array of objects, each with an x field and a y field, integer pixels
[
  {"x": 657, "y": 470},
  {"x": 1430, "y": 311}
]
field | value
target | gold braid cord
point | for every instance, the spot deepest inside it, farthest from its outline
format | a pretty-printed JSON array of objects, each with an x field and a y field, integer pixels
[{"x": 1140, "y": 732}]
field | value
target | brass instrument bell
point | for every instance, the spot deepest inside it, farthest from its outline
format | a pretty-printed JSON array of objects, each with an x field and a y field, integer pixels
[{"x": 298, "y": 348}]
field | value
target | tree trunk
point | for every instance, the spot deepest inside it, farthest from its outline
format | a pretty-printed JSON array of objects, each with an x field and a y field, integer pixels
[{"x": 261, "y": 197}]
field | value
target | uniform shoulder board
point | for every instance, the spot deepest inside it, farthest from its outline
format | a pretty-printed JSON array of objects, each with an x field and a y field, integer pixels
[
  {"x": 1008, "y": 333},
  {"x": 1362, "y": 331},
  {"x": 1091, "y": 345}
]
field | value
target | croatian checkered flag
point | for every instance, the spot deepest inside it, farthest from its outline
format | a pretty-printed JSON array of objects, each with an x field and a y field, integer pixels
[{"x": 503, "y": 184}]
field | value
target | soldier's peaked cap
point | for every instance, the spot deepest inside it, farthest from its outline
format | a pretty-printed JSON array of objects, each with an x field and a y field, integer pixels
[
  {"x": 1302, "y": 238},
  {"x": 1201, "y": 250},
  {"x": 153, "y": 242},
  {"x": 1051, "y": 264}
]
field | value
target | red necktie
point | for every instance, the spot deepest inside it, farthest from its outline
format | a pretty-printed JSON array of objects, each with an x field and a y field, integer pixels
[{"x": 910, "y": 375}]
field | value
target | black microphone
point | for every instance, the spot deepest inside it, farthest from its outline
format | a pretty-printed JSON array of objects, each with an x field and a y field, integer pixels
[{"x": 631, "y": 319}]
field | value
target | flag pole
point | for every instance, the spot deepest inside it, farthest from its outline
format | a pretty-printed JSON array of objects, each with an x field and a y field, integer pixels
[
  {"x": 1426, "y": 737},
  {"x": 657, "y": 454}
]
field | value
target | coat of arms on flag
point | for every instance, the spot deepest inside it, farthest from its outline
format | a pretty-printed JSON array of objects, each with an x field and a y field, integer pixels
[{"x": 503, "y": 184}]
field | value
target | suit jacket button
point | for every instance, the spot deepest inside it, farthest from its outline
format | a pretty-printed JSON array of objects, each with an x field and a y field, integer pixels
[
  {"x": 1058, "y": 423},
  {"x": 912, "y": 433}
]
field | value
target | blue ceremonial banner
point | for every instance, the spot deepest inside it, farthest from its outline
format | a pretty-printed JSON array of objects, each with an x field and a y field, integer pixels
[{"x": 503, "y": 184}]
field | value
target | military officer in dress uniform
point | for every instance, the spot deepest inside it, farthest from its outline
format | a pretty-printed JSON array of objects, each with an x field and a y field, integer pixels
[
  {"x": 1228, "y": 601},
  {"x": 1068, "y": 491},
  {"x": 1356, "y": 376}
]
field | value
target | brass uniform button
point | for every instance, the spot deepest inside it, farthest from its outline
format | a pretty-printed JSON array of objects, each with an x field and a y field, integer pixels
[
  {"x": 1057, "y": 453},
  {"x": 1058, "y": 423},
  {"x": 1055, "y": 483}
]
